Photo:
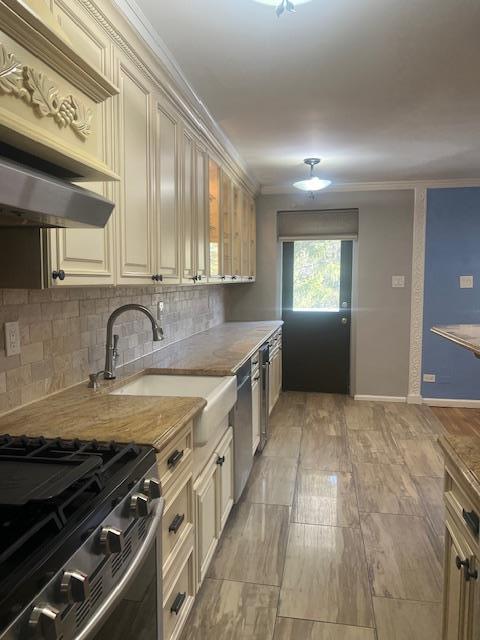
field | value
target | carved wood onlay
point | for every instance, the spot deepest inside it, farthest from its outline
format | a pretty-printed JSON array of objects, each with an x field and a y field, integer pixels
[
  {"x": 35, "y": 88},
  {"x": 416, "y": 314}
]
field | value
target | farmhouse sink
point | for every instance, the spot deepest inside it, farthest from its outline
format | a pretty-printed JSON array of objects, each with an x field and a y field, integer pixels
[{"x": 220, "y": 394}]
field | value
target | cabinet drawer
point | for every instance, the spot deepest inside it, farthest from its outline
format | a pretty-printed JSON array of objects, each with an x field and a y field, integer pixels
[
  {"x": 177, "y": 519},
  {"x": 175, "y": 459},
  {"x": 465, "y": 510},
  {"x": 179, "y": 599}
]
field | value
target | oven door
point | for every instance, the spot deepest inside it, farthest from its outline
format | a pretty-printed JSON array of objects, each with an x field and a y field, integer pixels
[{"x": 133, "y": 609}]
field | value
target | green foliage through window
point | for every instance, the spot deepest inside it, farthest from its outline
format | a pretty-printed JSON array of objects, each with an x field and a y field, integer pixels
[{"x": 316, "y": 275}]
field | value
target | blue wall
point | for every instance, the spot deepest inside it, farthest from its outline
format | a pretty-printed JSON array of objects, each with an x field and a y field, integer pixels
[{"x": 452, "y": 249}]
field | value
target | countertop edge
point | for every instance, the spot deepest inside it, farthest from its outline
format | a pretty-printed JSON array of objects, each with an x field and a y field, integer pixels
[
  {"x": 449, "y": 449},
  {"x": 456, "y": 339}
]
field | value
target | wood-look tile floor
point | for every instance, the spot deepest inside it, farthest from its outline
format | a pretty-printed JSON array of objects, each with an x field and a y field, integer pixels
[{"x": 338, "y": 535}]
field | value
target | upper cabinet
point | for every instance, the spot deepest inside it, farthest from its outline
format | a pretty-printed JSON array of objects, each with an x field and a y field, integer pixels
[
  {"x": 214, "y": 220},
  {"x": 237, "y": 209},
  {"x": 134, "y": 203},
  {"x": 188, "y": 207},
  {"x": 252, "y": 213},
  {"x": 227, "y": 224},
  {"x": 52, "y": 95},
  {"x": 167, "y": 193}
]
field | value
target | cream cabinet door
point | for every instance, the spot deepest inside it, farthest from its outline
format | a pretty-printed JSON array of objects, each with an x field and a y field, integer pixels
[
  {"x": 253, "y": 239},
  {"x": 225, "y": 479},
  {"x": 245, "y": 227},
  {"x": 215, "y": 266},
  {"x": 133, "y": 133},
  {"x": 458, "y": 591},
  {"x": 227, "y": 220},
  {"x": 188, "y": 207},
  {"x": 87, "y": 255},
  {"x": 237, "y": 232},
  {"x": 167, "y": 193},
  {"x": 206, "y": 517},
  {"x": 255, "y": 415},
  {"x": 201, "y": 226}
]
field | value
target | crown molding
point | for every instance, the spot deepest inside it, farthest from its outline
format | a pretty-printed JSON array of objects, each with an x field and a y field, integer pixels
[
  {"x": 394, "y": 185},
  {"x": 137, "y": 19}
]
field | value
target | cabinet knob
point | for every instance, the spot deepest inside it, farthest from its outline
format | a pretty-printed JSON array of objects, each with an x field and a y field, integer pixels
[
  {"x": 194, "y": 278},
  {"x": 221, "y": 460},
  {"x": 222, "y": 277},
  {"x": 234, "y": 277},
  {"x": 199, "y": 278},
  {"x": 468, "y": 573},
  {"x": 58, "y": 275}
]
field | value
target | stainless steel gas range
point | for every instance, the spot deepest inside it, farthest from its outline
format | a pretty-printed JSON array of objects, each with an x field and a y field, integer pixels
[{"x": 80, "y": 541}]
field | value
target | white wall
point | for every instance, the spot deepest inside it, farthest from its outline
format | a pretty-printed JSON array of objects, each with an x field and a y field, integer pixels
[{"x": 382, "y": 314}]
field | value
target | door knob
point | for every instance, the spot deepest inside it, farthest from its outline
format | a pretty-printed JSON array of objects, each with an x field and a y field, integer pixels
[
  {"x": 344, "y": 305},
  {"x": 344, "y": 320}
]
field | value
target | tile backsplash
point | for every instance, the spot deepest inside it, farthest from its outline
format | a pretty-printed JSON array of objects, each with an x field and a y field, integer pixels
[{"x": 63, "y": 332}]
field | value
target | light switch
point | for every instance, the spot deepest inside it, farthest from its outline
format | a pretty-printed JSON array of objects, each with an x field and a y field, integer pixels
[
  {"x": 429, "y": 377},
  {"x": 466, "y": 282},
  {"x": 398, "y": 282}
]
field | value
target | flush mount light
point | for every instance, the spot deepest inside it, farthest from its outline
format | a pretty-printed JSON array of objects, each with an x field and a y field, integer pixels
[
  {"x": 283, "y": 5},
  {"x": 313, "y": 183}
]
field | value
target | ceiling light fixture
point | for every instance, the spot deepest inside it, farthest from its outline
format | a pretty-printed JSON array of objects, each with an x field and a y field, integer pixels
[
  {"x": 283, "y": 6},
  {"x": 313, "y": 183}
]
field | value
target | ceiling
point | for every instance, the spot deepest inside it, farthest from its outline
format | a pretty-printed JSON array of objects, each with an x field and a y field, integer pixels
[{"x": 381, "y": 90}]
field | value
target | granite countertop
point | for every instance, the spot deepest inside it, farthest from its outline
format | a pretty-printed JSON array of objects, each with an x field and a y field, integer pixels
[
  {"x": 465, "y": 335},
  {"x": 83, "y": 413},
  {"x": 465, "y": 451}
]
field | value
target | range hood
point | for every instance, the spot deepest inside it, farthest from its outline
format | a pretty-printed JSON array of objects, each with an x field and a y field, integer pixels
[{"x": 33, "y": 198}]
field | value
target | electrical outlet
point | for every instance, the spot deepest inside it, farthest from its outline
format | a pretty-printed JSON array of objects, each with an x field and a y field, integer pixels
[
  {"x": 429, "y": 377},
  {"x": 398, "y": 282},
  {"x": 12, "y": 338},
  {"x": 466, "y": 282}
]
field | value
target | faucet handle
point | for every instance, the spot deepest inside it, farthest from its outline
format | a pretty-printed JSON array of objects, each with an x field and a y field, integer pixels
[{"x": 116, "y": 338}]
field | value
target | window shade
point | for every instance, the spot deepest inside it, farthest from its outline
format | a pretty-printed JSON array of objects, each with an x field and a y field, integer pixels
[{"x": 318, "y": 224}]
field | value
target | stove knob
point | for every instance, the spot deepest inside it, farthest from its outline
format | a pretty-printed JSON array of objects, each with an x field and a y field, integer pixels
[
  {"x": 140, "y": 505},
  {"x": 152, "y": 488},
  {"x": 75, "y": 586},
  {"x": 46, "y": 621},
  {"x": 111, "y": 540}
]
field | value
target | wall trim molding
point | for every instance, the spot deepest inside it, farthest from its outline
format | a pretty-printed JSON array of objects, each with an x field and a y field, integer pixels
[
  {"x": 380, "y": 398},
  {"x": 416, "y": 309},
  {"x": 452, "y": 402},
  {"x": 414, "y": 399},
  {"x": 394, "y": 185}
]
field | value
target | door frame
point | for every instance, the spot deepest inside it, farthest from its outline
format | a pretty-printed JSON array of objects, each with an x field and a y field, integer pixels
[{"x": 354, "y": 301}]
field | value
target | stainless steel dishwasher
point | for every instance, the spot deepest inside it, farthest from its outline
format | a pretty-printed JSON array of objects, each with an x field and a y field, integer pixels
[{"x": 242, "y": 429}]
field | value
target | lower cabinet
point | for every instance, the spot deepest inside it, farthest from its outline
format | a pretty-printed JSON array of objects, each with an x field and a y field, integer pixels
[
  {"x": 461, "y": 586},
  {"x": 255, "y": 414},
  {"x": 213, "y": 491},
  {"x": 275, "y": 375},
  {"x": 179, "y": 593}
]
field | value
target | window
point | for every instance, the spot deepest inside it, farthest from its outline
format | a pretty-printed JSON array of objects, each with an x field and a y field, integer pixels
[{"x": 316, "y": 275}]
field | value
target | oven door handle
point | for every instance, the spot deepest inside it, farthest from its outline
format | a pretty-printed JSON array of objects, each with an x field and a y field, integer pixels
[{"x": 113, "y": 597}]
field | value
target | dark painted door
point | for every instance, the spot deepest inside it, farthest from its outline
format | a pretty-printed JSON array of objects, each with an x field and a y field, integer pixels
[{"x": 317, "y": 296}]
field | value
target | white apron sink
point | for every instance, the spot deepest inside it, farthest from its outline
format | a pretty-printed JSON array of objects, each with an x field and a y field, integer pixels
[{"x": 220, "y": 394}]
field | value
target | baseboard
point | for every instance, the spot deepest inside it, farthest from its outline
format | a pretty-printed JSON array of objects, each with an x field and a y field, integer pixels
[
  {"x": 380, "y": 398},
  {"x": 452, "y": 402}
]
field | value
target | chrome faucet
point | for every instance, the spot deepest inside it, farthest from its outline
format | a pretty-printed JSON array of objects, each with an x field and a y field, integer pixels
[{"x": 111, "y": 347}]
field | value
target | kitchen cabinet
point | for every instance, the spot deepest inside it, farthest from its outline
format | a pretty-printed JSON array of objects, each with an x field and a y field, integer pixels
[
  {"x": 167, "y": 193},
  {"x": 275, "y": 374},
  {"x": 188, "y": 203},
  {"x": 134, "y": 203},
  {"x": 237, "y": 219},
  {"x": 201, "y": 210},
  {"x": 206, "y": 492},
  {"x": 227, "y": 221},
  {"x": 214, "y": 223},
  {"x": 461, "y": 591},
  {"x": 252, "y": 238},
  {"x": 225, "y": 480},
  {"x": 256, "y": 391},
  {"x": 245, "y": 227}
]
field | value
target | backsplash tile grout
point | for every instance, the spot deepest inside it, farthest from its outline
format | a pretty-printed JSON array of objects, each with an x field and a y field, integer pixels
[{"x": 63, "y": 332}]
